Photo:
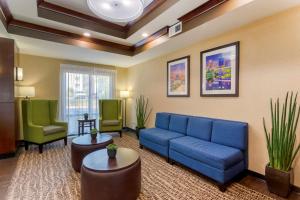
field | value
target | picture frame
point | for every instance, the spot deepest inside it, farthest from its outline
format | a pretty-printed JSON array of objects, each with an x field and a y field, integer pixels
[
  {"x": 219, "y": 71},
  {"x": 178, "y": 77}
]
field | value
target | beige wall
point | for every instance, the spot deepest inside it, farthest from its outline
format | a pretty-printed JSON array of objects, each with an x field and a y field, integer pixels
[
  {"x": 43, "y": 74},
  {"x": 269, "y": 67}
]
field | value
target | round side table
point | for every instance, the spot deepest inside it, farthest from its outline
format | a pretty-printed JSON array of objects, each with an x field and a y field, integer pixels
[
  {"x": 111, "y": 179},
  {"x": 83, "y": 145}
]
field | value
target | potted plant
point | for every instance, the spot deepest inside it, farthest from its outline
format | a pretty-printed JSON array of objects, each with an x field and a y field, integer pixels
[
  {"x": 86, "y": 116},
  {"x": 142, "y": 113},
  {"x": 112, "y": 150},
  {"x": 281, "y": 144},
  {"x": 94, "y": 133}
]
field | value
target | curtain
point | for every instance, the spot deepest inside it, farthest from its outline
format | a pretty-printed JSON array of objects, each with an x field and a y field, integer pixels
[{"x": 80, "y": 90}]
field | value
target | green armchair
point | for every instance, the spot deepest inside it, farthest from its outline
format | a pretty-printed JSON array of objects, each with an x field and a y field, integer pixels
[
  {"x": 40, "y": 125},
  {"x": 110, "y": 119}
]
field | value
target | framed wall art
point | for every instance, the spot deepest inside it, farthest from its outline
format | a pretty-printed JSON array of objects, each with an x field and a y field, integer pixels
[
  {"x": 219, "y": 73},
  {"x": 178, "y": 79}
]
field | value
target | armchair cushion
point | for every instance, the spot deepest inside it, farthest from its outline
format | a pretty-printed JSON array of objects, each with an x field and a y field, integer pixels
[
  {"x": 110, "y": 122},
  {"x": 48, "y": 130}
]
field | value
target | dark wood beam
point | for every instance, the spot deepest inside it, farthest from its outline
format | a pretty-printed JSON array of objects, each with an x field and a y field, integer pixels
[
  {"x": 200, "y": 10},
  {"x": 150, "y": 8},
  {"x": 67, "y": 16},
  {"x": 159, "y": 7},
  {"x": 5, "y": 14},
  {"x": 148, "y": 42},
  {"x": 45, "y": 33}
]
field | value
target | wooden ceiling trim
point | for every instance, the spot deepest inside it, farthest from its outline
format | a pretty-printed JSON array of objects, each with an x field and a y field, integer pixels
[
  {"x": 159, "y": 9},
  {"x": 151, "y": 41},
  {"x": 154, "y": 36},
  {"x": 200, "y": 10},
  {"x": 45, "y": 33},
  {"x": 5, "y": 14},
  {"x": 152, "y": 6},
  {"x": 202, "y": 17},
  {"x": 64, "y": 15}
]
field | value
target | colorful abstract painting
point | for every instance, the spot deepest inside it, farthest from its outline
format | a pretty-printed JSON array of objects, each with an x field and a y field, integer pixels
[
  {"x": 219, "y": 71},
  {"x": 178, "y": 77}
]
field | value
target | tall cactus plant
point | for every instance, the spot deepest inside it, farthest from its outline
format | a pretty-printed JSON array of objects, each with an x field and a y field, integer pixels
[{"x": 281, "y": 140}]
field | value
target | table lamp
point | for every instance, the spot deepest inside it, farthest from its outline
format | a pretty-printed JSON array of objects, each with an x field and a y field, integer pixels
[{"x": 25, "y": 91}]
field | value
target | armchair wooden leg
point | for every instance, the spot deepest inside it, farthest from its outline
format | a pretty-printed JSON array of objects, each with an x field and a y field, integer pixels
[
  {"x": 26, "y": 145},
  {"x": 120, "y": 132},
  {"x": 66, "y": 141},
  {"x": 41, "y": 148}
]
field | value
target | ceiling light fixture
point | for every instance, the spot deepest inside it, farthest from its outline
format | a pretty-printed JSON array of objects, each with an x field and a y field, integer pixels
[
  {"x": 145, "y": 35},
  {"x": 86, "y": 34},
  {"x": 117, "y": 10}
]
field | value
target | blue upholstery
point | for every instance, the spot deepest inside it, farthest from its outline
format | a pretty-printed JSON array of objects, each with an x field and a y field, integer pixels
[
  {"x": 221, "y": 176},
  {"x": 162, "y": 150},
  {"x": 178, "y": 123},
  {"x": 216, "y": 148},
  {"x": 200, "y": 128},
  {"x": 159, "y": 136},
  {"x": 162, "y": 120},
  {"x": 215, "y": 155},
  {"x": 233, "y": 134}
]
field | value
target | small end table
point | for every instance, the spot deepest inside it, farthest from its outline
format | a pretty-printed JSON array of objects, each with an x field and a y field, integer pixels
[{"x": 82, "y": 123}]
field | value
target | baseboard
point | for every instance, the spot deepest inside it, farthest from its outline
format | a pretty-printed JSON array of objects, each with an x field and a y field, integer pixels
[
  {"x": 7, "y": 155},
  {"x": 261, "y": 176},
  {"x": 129, "y": 129}
]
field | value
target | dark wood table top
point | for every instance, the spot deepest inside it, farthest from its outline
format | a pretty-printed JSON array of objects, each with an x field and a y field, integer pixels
[
  {"x": 100, "y": 162},
  {"x": 86, "y": 120},
  {"x": 87, "y": 139}
]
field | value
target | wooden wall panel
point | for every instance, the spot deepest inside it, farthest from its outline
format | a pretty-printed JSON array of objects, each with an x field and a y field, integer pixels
[{"x": 6, "y": 70}]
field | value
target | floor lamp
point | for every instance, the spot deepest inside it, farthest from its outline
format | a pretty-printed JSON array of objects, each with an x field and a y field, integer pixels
[{"x": 124, "y": 94}]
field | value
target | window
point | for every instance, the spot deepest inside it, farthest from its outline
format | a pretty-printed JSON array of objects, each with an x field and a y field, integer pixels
[{"x": 80, "y": 90}]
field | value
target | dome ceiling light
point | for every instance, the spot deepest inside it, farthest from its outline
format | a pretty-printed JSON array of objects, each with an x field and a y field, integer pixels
[{"x": 117, "y": 10}]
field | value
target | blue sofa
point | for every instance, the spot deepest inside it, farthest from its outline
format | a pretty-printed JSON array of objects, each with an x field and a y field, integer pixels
[{"x": 216, "y": 148}]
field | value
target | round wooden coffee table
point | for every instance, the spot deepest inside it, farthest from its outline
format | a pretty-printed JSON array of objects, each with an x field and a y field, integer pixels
[
  {"x": 83, "y": 145},
  {"x": 111, "y": 179}
]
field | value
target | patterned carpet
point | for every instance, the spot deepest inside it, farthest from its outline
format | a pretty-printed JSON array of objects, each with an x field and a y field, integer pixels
[{"x": 49, "y": 176}]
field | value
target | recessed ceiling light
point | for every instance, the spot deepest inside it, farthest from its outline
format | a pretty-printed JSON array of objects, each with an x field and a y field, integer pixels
[
  {"x": 86, "y": 34},
  {"x": 145, "y": 35},
  {"x": 106, "y": 6}
]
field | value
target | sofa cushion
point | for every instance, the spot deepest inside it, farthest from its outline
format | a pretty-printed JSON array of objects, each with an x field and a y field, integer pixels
[
  {"x": 159, "y": 136},
  {"x": 162, "y": 120},
  {"x": 178, "y": 123},
  {"x": 215, "y": 155},
  {"x": 229, "y": 133},
  {"x": 48, "y": 130},
  {"x": 110, "y": 122},
  {"x": 200, "y": 128}
]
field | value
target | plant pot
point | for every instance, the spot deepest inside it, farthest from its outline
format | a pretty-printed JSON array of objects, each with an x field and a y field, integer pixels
[
  {"x": 111, "y": 153},
  {"x": 137, "y": 130},
  {"x": 94, "y": 136},
  {"x": 279, "y": 182}
]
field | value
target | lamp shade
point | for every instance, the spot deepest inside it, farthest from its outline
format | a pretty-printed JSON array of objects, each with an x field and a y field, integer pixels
[
  {"x": 124, "y": 93},
  {"x": 25, "y": 91}
]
